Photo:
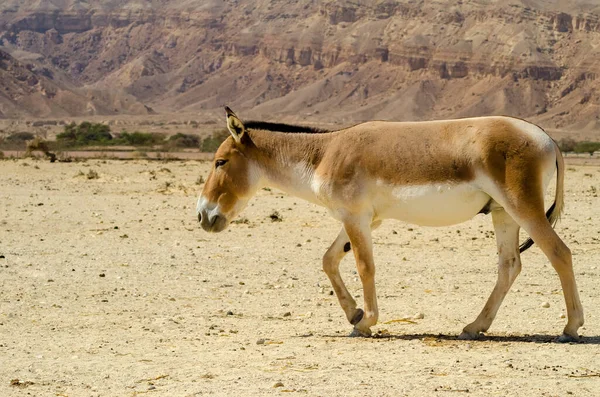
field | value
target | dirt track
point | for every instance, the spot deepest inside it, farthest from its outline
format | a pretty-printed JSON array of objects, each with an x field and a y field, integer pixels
[{"x": 109, "y": 288}]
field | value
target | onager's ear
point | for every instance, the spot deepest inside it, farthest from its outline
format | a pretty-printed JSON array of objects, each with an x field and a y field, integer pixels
[{"x": 234, "y": 125}]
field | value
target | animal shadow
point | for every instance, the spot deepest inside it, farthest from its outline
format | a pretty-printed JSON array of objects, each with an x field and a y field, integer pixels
[{"x": 534, "y": 338}]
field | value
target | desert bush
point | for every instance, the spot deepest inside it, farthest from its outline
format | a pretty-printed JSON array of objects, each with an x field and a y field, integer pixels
[
  {"x": 137, "y": 138},
  {"x": 20, "y": 137},
  {"x": 184, "y": 141},
  {"x": 85, "y": 133},
  {"x": 567, "y": 145},
  {"x": 92, "y": 175},
  {"x": 16, "y": 141},
  {"x": 212, "y": 143},
  {"x": 587, "y": 147}
]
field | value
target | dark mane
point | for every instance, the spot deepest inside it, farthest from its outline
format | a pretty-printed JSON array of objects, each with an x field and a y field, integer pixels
[{"x": 281, "y": 127}]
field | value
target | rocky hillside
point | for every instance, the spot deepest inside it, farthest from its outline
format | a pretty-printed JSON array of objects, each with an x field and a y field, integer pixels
[{"x": 327, "y": 61}]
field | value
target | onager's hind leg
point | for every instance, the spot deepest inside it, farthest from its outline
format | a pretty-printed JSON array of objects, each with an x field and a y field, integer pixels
[
  {"x": 559, "y": 255},
  {"x": 331, "y": 266},
  {"x": 509, "y": 267},
  {"x": 526, "y": 207}
]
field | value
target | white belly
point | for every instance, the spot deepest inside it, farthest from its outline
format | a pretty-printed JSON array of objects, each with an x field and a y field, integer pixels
[{"x": 437, "y": 204}]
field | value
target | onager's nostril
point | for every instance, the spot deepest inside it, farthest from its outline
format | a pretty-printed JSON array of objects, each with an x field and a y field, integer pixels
[{"x": 199, "y": 217}]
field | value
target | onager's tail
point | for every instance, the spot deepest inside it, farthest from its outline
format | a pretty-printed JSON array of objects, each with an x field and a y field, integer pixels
[{"x": 553, "y": 213}]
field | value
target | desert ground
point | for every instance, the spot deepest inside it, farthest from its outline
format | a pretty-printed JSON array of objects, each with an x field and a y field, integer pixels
[{"x": 108, "y": 287}]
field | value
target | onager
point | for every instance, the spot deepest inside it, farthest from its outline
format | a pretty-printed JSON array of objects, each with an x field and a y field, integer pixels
[{"x": 432, "y": 173}]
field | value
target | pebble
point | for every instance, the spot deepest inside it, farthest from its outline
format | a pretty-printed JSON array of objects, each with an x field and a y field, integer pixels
[
  {"x": 278, "y": 384},
  {"x": 419, "y": 316},
  {"x": 562, "y": 315},
  {"x": 287, "y": 314},
  {"x": 261, "y": 341},
  {"x": 545, "y": 305}
]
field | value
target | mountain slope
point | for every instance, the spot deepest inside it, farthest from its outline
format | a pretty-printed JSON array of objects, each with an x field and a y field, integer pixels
[{"x": 335, "y": 61}]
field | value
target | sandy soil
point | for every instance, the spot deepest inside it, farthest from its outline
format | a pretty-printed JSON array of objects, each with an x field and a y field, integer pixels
[{"x": 110, "y": 288}]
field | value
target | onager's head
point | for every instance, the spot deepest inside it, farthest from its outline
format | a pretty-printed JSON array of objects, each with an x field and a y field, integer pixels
[{"x": 232, "y": 181}]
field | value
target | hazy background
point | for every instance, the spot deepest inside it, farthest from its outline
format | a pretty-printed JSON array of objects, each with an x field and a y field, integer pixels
[{"x": 337, "y": 62}]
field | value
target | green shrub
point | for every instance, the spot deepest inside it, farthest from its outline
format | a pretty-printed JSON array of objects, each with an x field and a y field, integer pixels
[
  {"x": 587, "y": 147},
  {"x": 16, "y": 141},
  {"x": 139, "y": 138},
  {"x": 184, "y": 140},
  {"x": 567, "y": 145},
  {"x": 85, "y": 133},
  {"x": 19, "y": 137},
  {"x": 212, "y": 143}
]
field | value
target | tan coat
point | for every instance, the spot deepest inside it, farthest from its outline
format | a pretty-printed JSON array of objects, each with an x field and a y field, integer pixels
[{"x": 428, "y": 173}]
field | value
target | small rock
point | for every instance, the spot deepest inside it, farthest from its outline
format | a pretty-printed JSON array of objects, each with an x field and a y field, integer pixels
[
  {"x": 102, "y": 275},
  {"x": 275, "y": 217},
  {"x": 287, "y": 314},
  {"x": 152, "y": 387},
  {"x": 545, "y": 305},
  {"x": 261, "y": 341},
  {"x": 278, "y": 384},
  {"x": 419, "y": 316},
  {"x": 230, "y": 313},
  {"x": 562, "y": 315}
]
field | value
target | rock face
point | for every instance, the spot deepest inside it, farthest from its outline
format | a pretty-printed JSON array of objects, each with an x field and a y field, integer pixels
[{"x": 338, "y": 61}]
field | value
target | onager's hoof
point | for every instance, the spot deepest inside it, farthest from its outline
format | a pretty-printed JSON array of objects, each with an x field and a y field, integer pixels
[
  {"x": 470, "y": 335},
  {"x": 357, "y": 317},
  {"x": 565, "y": 338},
  {"x": 357, "y": 333}
]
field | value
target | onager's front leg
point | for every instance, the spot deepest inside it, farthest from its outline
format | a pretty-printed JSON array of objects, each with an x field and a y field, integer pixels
[
  {"x": 331, "y": 266},
  {"x": 359, "y": 232}
]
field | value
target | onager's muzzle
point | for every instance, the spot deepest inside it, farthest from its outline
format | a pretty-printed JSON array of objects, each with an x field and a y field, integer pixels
[{"x": 211, "y": 220}]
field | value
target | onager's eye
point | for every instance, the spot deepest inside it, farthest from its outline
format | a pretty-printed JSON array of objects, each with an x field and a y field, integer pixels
[{"x": 220, "y": 163}]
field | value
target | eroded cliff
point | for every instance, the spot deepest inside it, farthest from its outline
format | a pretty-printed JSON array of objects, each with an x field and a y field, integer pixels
[{"x": 337, "y": 61}]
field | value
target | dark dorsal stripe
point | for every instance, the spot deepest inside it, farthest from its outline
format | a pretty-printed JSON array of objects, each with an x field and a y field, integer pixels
[{"x": 281, "y": 127}]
